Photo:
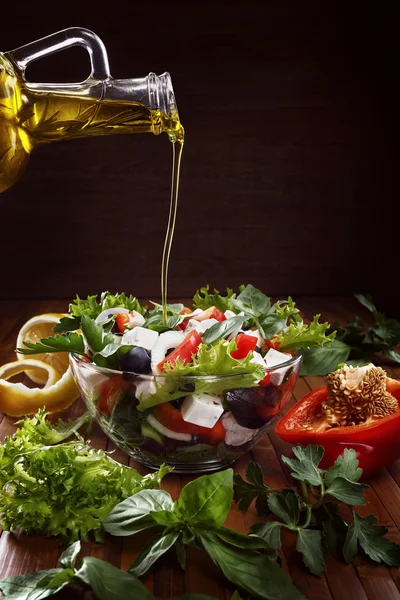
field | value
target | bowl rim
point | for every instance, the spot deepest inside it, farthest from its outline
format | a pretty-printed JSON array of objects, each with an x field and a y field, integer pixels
[{"x": 297, "y": 358}]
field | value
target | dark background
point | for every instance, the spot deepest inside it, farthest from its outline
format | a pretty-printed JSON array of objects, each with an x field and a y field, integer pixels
[{"x": 288, "y": 169}]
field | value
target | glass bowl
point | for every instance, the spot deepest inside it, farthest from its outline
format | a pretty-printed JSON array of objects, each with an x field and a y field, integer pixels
[{"x": 142, "y": 413}]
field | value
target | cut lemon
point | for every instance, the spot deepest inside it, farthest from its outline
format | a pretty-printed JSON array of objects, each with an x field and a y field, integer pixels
[
  {"x": 17, "y": 400},
  {"x": 36, "y": 328}
]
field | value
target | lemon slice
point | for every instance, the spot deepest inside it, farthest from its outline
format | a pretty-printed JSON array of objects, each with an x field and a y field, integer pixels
[
  {"x": 16, "y": 399},
  {"x": 36, "y": 328}
]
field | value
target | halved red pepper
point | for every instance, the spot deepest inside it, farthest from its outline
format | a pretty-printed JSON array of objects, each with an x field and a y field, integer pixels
[
  {"x": 244, "y": 344},
  {"x": 171, "y": 417},
  {"x": 377, "y": 444},
  {"x": 184, "y": 352},
  {"x": 211, "y": 313},
  {"x": 110, "y": 392}
]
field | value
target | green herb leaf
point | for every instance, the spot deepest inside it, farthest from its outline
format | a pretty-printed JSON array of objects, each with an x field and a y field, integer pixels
[
  {"x": 240, "y": 540},
  {"x": 155, "y": 320},
  {"x": 347, "y": 491},
  {"x": 252, "y": 572},
  {"x": 305, "y": 465},
  {"x": 207, "y": 499},
  {"x": 222, "y": 329},
  {"x": 370, "y": 536},
  {"x": 69, "y": 556},
  {"x": 156, "y": 547},
  {"x": 367, "y": 302},
  {"x": 180, "y": 553},
  {"x": 271, "y": 325},
  {"x": 246, "y": 491},
  {"x": 95, "y": 337},
  {"x": 309, "y": 544},
  {"x": 270, "y": 532},
  {"x": 393, "y": 355},
  {"x": 22, "y": 587},
  {"x": 325, "y": 359},
  {"x": 252, "y": 302},
  {"x": 346, "y": 465},
  {"x": 286, "y": 506},
  {"x": 37, "y": 430},
  {"x": 134, "y": 514},
  {"x": 59, "y": 343},
  {"x": 66, "y": 324},
  {"x": 109, "y": 583},
  {"x": 335, "y": 531}
]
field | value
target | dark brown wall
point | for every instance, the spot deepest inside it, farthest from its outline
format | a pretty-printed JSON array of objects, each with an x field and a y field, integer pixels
[{"x": 288, "y": 171}]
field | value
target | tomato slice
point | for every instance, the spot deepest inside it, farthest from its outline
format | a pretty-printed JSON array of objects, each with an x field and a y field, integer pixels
[
  {"x": 211, "y": 313},
  {"x": 111, "y": 391},
  {"x": 184, "y": 352},
  {"x": 377, "y": 444},
  {"x": 185, "y": 311},
  {"x": 273, "y": 343},
  {"x": 121, "y": 320},
  {"x": 171, "y": 417},
  {"x": 244, "y": 344}
]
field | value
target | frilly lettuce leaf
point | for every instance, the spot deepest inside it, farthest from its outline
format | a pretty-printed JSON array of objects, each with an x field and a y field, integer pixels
[
  {"x": 203, "y": 299},
  {"x": 301, "y": 335}
]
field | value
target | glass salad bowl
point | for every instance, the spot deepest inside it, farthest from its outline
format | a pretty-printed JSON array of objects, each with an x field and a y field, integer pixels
[{"x": 146, "y": 415}]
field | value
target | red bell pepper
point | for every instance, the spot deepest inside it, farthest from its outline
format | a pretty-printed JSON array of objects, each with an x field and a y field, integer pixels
[
  {"x": 211, "y": 313},
  {"x": 184, "y": 352},
  {"x": 111, "y": 391},
  {"x": 121, "y": 320},
  {"x": 376, "y": 444},
  {"x": 172, "y": 418},
  {"x": 244, "y": 344}
]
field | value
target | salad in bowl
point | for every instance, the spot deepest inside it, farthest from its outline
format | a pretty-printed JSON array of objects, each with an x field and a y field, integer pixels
[{"x": 190, "y": 386}]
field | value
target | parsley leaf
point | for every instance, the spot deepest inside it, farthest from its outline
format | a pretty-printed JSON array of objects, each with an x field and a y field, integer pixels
[
  {"x": 369, "y": 536},
  {"x": 346, "y": 465},
  {"x": 347, "y": 491},
  {"x": 286, "y": 506},
  {"x": 72, "y": 342},
  {"x": 254, "y": 488},
  {"x": 270, "y": 532},
  {"x": 305, "y": 465},
  {"x": 94, "y": 335},
  {"x": 309, "y": 544}
]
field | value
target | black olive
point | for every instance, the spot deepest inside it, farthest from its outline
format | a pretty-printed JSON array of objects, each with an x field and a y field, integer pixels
[
  {"x": 177, "y": 403},
  {"x": 136, "y": 360},
  {"x": 168, "y": 352},
  {"x": 257, "y": 349},
  {"x": 253, "y": 407}
]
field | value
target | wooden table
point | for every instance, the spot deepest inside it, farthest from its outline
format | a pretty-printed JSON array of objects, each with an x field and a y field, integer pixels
[{"x": 357, "y": 581}]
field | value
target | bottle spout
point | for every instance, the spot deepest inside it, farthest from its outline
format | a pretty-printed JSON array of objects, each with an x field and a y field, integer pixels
[{"x": 161, "y": 94}]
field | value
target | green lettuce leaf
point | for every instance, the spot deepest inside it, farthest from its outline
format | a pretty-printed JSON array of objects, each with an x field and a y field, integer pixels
[
  {"x": 204, "y": 299},
  {"x": 299, "y": 335}
]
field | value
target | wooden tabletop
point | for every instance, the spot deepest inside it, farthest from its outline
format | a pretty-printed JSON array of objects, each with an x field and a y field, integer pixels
[{"x": 358, "y": 581}]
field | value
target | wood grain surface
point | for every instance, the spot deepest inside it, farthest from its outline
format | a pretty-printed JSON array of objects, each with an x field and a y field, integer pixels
[
  {"x": 361, "y": 580},
  {"x": 288, "y": 174}
]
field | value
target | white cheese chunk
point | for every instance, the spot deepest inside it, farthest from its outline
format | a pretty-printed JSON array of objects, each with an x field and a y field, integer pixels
[
  {"x": 200, "y": 326},
  {"x": 274, "y": 358},
  {"x": 260, "y": 340},
  {"x": 236, "y": 435},
  {"x": 229, "y": 314},
  {"x": 202, "y": 409},
  {"x": 140, "y": 336},
  {"x": 135, "y": 320},
  {"x": 145, "y": 388}
]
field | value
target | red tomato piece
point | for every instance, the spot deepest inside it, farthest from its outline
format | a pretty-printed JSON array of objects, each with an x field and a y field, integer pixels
[
  {"x": 211, "y": 313},
  {"x": 185, "y": 311},
  {"x": 244, "y": 344},
  {"x": 171, "y": 417},
  {"x": 273, "y": 343},
  {"x": 377, "y": 444},
  {"x": 184, "y": 352},
  {"x": 111, "y": 391},
  {"x": 121, "y": 320}
]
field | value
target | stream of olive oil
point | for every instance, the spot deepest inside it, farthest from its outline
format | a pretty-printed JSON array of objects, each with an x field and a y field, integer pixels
[{"x": 29, "y": 118}]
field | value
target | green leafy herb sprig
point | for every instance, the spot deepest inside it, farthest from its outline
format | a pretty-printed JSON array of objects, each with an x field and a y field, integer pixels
[
  {"x": 312, "y": 511},
  {"x": 106, "y": 581},
  {"x": 196, "y": 519},
  {"x": 65, "y": 488}
]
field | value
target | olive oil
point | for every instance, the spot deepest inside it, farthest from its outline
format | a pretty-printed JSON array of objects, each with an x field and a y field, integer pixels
[{"x": 29, "y": 117}]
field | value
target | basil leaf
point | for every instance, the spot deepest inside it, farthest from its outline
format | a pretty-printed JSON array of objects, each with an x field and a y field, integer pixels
[
  {"x": 19, "y": 587},
  {"x": 111, "y": 355},
  {"x": 109, "y": 583},
  {"x": 156, "y": 547},
  {"x": 253, "y": 572},
  {"x": 345, "y": 466},
  {"x": 207, "y": 499},
  {"x": 324, "y": 360},
  {"x": 367, "y": 302},
  {"x": 240, "y": 540},
  {"x": 309, "y": 544},
  {"x": 180, "y": 553},
  {"x": 286, "y": 506},
  {"x": 69, "y": 556},
  {"x": 134, "y": 514},
  {"x": 347, "y": 491},
  {"x": 252, "y": 302},
  {"x": 222, "y": 329},
  {"x": 271, "y": 325},
  {"x": 269, "y": 531},
  {"x": 94, "y": 335}
]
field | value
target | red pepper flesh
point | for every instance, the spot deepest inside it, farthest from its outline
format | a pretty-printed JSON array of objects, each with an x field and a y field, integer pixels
[{"x": 377, "y": 444}]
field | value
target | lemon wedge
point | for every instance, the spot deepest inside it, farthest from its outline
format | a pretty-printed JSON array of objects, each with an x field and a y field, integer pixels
[
  {"x": 36, "y": 328},
  {"x": 16, "y": 399}
]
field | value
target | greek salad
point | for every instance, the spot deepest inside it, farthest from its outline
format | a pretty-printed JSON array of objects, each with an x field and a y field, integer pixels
[{"x": 205, "y": 380}]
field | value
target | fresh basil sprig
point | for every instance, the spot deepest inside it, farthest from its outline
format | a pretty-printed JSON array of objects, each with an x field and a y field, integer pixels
[
  {"x": 106, "y": 581},
  {"x": 223, "y": 329},
  {"x": 312, "y": 514},
  {"x": 197, "y": 520}
]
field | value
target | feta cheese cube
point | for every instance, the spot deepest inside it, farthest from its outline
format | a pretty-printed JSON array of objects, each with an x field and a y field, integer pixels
[
  {"x": 145, "y": 388},
  {"x": 229, "y": 314},
  {"x": 136, "y": 320},
  {"x": 260, "y": 340},
  {"x": 140, "y": 336},
  {"x": 200, "y": 326},
  {"x": 202, "y": 409},
  {"x": 274, "y": 358}
]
